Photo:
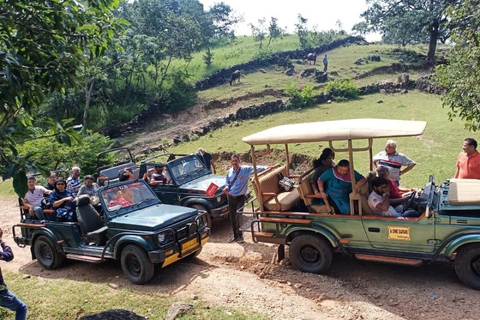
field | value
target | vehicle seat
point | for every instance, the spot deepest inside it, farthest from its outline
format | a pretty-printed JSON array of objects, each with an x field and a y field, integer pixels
[
  {"x": 305, "y": 190},
  {"x": 275, "y": 199},
  {"x": 365, "y": 191},
  {"x": 91, "y": 224}
]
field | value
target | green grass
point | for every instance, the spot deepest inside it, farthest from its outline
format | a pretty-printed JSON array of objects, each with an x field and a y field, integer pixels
[
  {"x": 60, "y": 299},
  {"x": 242, "y": 50},
  {"x": 341, "y": 60},
  {"x": 6, "y": 188},
  {"x": 435, "y": 151}
]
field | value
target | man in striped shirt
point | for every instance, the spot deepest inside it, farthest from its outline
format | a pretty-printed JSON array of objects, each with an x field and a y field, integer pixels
[
  {"x": 74, "y": 182},
  {"x": 394, "y": 161}
]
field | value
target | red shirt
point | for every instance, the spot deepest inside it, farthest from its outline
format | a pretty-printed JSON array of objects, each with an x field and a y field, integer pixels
[
  {"x": 468, "y": 167},
  {"x": 394, "y": 191}
]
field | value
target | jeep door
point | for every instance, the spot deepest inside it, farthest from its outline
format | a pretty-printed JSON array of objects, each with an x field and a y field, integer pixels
[
  {"x": 410, "y": 234},
  {"x": 167, "y": 193}
]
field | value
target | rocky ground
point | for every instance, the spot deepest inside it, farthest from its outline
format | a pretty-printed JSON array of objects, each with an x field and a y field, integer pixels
[{"x": 243, "y": 276}]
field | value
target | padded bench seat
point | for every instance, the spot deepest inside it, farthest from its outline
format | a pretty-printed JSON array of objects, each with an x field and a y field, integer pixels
[{"x": 274, "y": 198}]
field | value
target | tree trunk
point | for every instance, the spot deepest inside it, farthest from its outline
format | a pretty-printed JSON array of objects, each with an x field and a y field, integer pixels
[
  {"x": 432, "y": 47},
  {"x": 165, "y": 73},
  {"x": 88, "y": 94}
]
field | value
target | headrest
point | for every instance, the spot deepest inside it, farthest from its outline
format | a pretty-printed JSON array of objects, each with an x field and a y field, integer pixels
[{"x": 83, "y": 200}]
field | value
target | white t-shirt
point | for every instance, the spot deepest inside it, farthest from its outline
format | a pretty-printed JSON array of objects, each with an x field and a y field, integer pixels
[
  {"x": 374, "y": 199},
  {"x": 35, "y": 198}
]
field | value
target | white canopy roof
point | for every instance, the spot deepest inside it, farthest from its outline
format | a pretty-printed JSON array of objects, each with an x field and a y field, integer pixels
[{"x": 337, "y": 130}]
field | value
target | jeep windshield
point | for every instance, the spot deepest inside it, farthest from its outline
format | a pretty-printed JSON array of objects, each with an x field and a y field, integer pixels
[
  {"x": 186, "y": 169},
  {"x": 129, "y": 195}
]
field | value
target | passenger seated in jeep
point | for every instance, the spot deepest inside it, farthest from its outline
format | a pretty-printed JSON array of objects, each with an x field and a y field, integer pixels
[
  {"x": 33, "y": 198},
  {"x": 125, "y": 174},
  {"x": 338, "y": 185},
  {"x": 147, "y": 176},
  {"x": 322, "y": 164},
  {"x": 159, "y": 176},
  {"x": 63, "y": 202},
  {"x": 50, "y": 185},
  {"x": 379, "y": 201},
  {"x": 119, "y": 200},
  {"x": 396, "y": 198}
]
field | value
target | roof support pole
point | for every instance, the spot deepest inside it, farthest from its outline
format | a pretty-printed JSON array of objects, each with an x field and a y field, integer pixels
[
  {"x": 370, "y": 153},
  {"x": 288, "y": 159},
  {"x": 256, "y": 183},
  {"x": 354, "y": 196}
]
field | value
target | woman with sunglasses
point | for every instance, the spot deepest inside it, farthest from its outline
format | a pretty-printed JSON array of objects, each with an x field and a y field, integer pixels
[{"x": 63, "y": 201}]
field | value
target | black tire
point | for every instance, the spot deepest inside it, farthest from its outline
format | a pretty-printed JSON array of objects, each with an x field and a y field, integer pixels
[
  {"x": 136, "y": 264},
  {"x": 311, "y": 253},
  {"x": 203, "y": 208},
  {"x": 467, "y": 265},
  {"x": 47, "y": 254}
]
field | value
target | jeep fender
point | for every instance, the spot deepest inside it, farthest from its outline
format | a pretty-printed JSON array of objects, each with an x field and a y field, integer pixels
[
  {"x": 131, "y": 239},
  {"x": 47, "y": 233},
  {"x": 316, "y": 229},
  {"x": 190, "y": 201},
  {"x": 453, "y": 246}
]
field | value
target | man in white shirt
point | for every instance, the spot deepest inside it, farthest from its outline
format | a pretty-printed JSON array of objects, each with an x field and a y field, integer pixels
[
  {"x": 379, "y": 200},
  {"x": 33, "y": 198},
  {"x": 394, "y": 161}
]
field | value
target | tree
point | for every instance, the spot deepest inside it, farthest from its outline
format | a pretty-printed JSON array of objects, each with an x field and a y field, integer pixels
[
  {"x": 42, "y": 47},
  {"x": 461, "y": 76},
  {"x": 301, "y": 30},
  {"x": 408, "y": 21},
  {"x": 274, "y": 30},
  {"x": 259, "y": 31}
]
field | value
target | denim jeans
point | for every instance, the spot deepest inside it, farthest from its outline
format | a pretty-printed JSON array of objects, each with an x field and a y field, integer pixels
[
  {"x": 10, "y": 301},
  {"x": 39, "y": 213}
]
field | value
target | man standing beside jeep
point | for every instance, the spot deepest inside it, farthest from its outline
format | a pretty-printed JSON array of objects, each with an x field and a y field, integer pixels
[
  {"x": 235, "y": 189},
  {"x": 468, "y": 162}
]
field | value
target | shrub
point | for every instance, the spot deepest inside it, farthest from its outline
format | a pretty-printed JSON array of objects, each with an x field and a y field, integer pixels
[
  {"x": 300, "y": 98},
  {"x": 51, "y": 155},
  {"x": 342, "y": 89}
]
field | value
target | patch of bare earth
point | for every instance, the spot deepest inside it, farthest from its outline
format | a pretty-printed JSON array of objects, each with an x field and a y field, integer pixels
[{"x": 246, "y": 276}]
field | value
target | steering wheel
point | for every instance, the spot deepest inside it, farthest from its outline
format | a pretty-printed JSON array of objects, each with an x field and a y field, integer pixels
[{"x": 409, "y": 202}]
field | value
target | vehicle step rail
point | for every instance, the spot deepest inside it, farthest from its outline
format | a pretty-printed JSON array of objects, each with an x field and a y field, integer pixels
[
  {"x": 386, "y": 259},
  {"x": 83, "y": 258}
]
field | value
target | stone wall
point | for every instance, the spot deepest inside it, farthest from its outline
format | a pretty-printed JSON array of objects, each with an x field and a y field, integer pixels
[
  {"x": 393, "y": 68},
  {"x": 223, "y": 75}
]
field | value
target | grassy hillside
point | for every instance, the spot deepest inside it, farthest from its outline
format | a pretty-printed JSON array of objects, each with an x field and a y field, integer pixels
[
  {"x": 435, "y": 151},
  {"x": 341, "y": 61},
  {"x": 242, "y": 50}
]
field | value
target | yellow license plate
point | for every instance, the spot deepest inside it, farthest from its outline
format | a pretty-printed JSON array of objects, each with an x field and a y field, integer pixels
[{"x": 189, "y": 244}]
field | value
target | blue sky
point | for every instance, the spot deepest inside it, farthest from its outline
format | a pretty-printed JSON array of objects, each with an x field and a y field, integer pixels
[{"x": 322, "y": 13}]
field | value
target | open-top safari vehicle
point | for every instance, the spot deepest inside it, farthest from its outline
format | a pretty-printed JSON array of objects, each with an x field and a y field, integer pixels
[
  {"x": 188, "y": 183},
  {"x": 448, "y": 227},
  {"x": 138, "y": 230}
]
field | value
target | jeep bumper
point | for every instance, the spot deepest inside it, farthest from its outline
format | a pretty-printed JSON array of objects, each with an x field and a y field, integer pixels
[{"x": 220, "y": 211}]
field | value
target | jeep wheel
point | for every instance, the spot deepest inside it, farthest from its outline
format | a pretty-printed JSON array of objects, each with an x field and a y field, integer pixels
[
  {"x": 46, "y": 253},
  {"x": 202, "y": 208},
  {"x": 467, "y": 265},
  {"x": 311, "y": 253},
  {"x": 136, "y": 264}
]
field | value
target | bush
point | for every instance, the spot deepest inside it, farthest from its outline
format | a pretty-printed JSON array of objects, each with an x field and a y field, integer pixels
[
  {"x": 51, "y": 155},
  {"x": 300, "y": 98},
  {"x": 342, "y": 89}
]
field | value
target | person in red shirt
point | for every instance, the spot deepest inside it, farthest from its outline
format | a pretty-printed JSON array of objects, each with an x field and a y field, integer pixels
[
  {"x": 396, "y": 198},
  {"x": 468, "y": 162}
]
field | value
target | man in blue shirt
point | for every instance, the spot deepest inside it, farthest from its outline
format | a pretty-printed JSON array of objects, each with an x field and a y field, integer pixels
[
  {"x": 325, "y": 64},
  {"x": 8, "y": 299},
  {"x": 235, "y": 189}
]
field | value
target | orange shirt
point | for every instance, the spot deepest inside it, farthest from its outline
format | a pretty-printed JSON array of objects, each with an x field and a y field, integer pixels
[{"x": 468, "y": 167}]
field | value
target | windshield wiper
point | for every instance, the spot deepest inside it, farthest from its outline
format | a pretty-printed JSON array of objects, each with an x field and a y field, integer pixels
[{"x": 144, "y": 200}]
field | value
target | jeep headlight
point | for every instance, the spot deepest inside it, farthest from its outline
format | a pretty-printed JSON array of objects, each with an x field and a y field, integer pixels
[
  {"x": 163, "y": 237},
  {"x": 219, "y": 199}
]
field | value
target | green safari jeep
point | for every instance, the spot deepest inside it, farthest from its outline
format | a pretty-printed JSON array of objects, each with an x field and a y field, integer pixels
[
  {"x": 135, "y": 228},
  {"x": 447, "y": 229}
]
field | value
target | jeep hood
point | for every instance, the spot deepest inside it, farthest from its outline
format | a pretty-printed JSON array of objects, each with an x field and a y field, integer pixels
[
  {"x": 202, "y": 183},
  {"x": 152, "y": 218}
]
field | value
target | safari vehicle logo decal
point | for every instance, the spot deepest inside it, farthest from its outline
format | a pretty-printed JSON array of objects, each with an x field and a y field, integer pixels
[{"x": 399, "y": 233}]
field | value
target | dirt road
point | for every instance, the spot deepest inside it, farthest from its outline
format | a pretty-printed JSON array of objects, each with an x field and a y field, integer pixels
[{"x": 242, "y": 275}]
